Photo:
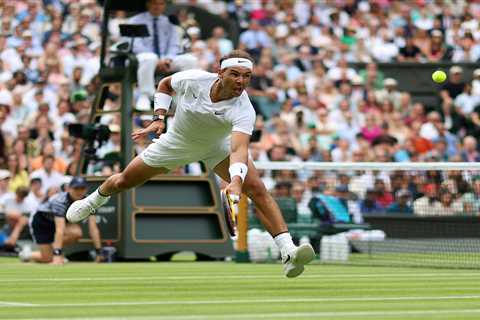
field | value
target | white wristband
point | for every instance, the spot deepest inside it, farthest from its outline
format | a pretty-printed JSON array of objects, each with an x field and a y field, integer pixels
[
  {"x": 161, "y": 101},
  {"x": 238, "y": 169}
]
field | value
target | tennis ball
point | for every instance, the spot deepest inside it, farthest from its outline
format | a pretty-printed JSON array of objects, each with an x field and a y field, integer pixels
[{"x": 439, "y": 76}]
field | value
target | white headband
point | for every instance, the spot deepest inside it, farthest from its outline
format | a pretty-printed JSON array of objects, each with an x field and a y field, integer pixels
[{"x": 236, "y": 62}]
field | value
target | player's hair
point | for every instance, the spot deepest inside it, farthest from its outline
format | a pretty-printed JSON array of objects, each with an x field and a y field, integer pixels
[{"x": 237, "y": 54}]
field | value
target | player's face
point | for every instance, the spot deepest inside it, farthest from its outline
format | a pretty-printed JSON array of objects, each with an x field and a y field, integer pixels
[
  {"x": 78, "y": 193},
  {"x": 235, "y": 79}
]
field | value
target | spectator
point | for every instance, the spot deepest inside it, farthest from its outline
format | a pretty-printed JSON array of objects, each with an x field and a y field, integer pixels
[
  {"x": 254, "y": 39},
  {"x": 372, "y": 77},
  {"x": 470, "y": 152},
  {"x": 49, "y": 176},
  {"x": 466, "y": 101},
  {"x": 383, "y": 197},
  {"x": 438, "y": 50},
  {"x": 448, "y": 205},
  {"x": 454, "y": 85},
  {"x": 349, "y": 200},
  {"x": 282, "y": 189},
  {"x": 36, "y": 195},
  {"x": 427, "y": 205},
  {"x": 410, "y": 52},
  {"x": 476, "y": 83},
  {"x": 48, "y": 149},
  {"x": 390, "y": 93},
  {"x": 17, "y": 210},
  {"x": 369, "y": 205},
  {"x": 225, "y": 45},
  {"x": 18, "y": 176},
  {"x": 402, "y": 204}
]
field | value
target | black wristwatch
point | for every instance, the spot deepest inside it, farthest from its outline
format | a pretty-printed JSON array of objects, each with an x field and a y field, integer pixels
[
  {"x": 57, "y": 252},
  {"x": 157, "y": 117}
]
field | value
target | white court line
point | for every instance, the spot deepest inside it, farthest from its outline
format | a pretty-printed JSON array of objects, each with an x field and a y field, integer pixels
[
  {"x": 15, "y": 304},
  {"x": 188, "y": 278},
  {"x": 291, "y": 315},
  {"x": 244, "y": 301}
]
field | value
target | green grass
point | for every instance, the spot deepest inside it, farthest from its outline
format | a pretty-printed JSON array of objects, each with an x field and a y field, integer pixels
[{"x": 190, "y": 290}]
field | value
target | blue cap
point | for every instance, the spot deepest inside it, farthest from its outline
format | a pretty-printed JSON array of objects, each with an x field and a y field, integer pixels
[{"x": 78, "y": 182}]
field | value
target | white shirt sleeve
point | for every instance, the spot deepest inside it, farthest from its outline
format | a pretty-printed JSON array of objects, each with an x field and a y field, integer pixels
[
  {"x": 244, "y": 121},
  {"x": 180, "y": 79}
]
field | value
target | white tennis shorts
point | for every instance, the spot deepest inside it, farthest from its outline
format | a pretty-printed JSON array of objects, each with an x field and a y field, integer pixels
[{"x": 171, "y": 153}]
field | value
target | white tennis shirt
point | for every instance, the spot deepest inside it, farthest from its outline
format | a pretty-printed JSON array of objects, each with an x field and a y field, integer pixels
[{"x": 198, "y": 120}]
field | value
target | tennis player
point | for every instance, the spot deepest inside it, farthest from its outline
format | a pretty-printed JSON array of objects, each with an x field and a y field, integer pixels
[{"x": 213, "y": 122}]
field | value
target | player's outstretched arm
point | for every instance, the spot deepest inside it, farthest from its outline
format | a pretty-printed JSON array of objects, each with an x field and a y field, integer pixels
[
  {"x": 238, "y": 162},
  {"x": 163, "y": 97}
]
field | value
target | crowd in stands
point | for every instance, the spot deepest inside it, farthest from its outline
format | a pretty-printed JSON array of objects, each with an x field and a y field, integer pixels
[{"x": 311, "y": 104}]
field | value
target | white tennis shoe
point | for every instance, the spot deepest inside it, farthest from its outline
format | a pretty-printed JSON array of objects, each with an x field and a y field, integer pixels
[
  {"x": 80, "y": 210},
  {"x": 294, "y": 262}
]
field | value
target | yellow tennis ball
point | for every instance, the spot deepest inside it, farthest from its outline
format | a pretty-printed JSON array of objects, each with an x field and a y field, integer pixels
[{"x": 439, "y": 76}]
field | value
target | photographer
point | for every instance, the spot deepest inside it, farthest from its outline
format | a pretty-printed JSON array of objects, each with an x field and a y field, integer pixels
[{"x": 51, "y": 231}]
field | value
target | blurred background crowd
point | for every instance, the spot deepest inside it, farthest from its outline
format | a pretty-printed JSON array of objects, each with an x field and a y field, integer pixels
[{"x": 312, "y": 105}]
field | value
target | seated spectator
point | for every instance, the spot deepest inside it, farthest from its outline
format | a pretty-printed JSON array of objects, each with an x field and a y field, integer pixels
[
  {"x": 369, "y": 205},
  {"x": 49, "y": 176},
  {"x": 48, "y": 149},
  {"x": 254, "y": 39},
  {"x": 372, "y": 77},
  {"x": 371, "y": 130},
  {"x": 282, "y": 189},
  {"x": 36, "y": 195},
  {"x": 448, "y": 205},
  {"x": 382, "y": 196},
  {"x": 437, "y": 49},
  {"x": 476, "y": 82},
  {"x": 469, "y": 151},
  {"x": 18, "y": 177},
  {"x": 349, "y": 200},
  {"x": 466, "y": 101},
  {"x": 410, "y": 52},
  {"x": 402, "y": 204},
  {"x": 427, "y": 205},
  {"x": 17, "y": 210},
  {"x": 390, "y": 93},
  {"x": 454, "y": 85}
]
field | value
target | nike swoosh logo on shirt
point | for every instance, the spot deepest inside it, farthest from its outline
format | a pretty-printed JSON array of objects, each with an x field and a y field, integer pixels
[{"x": 219, "y": 113}]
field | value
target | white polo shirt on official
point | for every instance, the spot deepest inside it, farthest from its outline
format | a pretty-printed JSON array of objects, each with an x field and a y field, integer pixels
[{"x": 201, "y": 129}]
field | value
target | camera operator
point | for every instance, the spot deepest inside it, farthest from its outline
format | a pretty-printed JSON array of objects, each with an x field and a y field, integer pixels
[{"x": 51, "y": 231}]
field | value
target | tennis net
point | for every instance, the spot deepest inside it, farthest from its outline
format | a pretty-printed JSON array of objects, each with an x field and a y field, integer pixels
[{"x": 399, "y": 214}]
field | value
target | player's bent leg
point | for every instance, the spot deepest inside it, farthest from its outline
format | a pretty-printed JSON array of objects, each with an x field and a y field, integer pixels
[
  {"x": 294, "y": 258},
  {"x": 136, "y": 173}
]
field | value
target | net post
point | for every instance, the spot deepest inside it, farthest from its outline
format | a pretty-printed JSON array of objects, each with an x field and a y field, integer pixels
[{"x": 241, "y": 253}]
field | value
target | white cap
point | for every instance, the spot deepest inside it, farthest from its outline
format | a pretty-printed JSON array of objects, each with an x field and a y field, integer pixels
[
  {"x": 193, "y": 31},
  {"x": 281, "y": 31},
  {"x": 437, "y": 33},
  {"x": 389, "y": 82},
  {"x": 357, "y": 80},
  {"x": 4, "y": 174},
  {"x": 456, "y": 69}
]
